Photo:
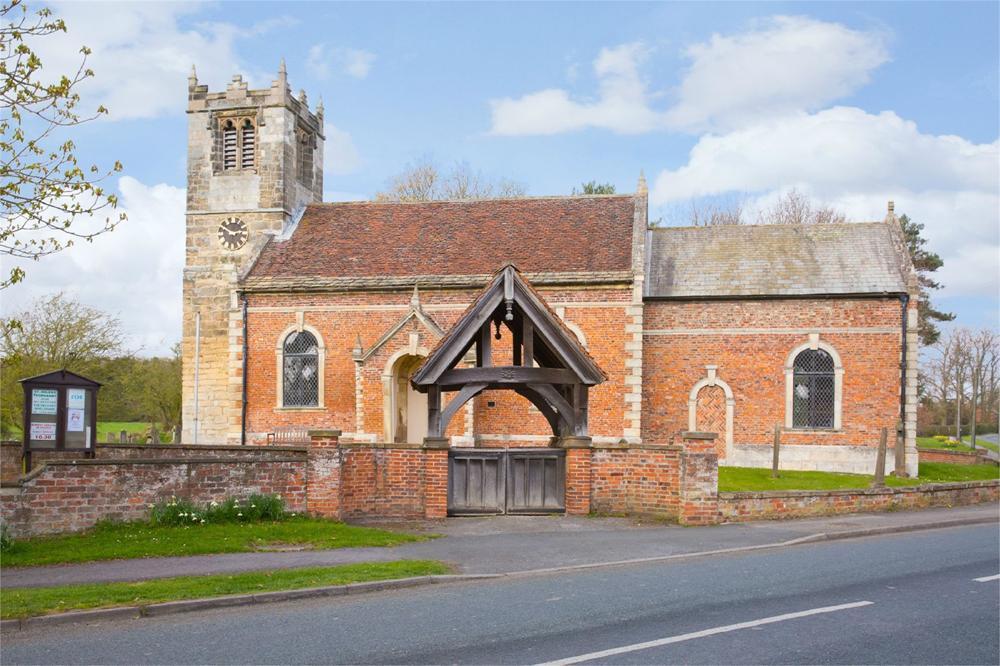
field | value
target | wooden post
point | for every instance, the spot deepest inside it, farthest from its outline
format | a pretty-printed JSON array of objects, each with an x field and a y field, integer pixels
[
  {"x": 777, "y": 447},
  {"x": 879, "y": 480},
  {"x": 123, "y": 437},
  {"x": 900, "y": 470}
]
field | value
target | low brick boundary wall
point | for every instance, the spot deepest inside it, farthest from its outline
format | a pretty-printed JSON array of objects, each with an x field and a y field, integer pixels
[
  {"x": 772, "y": 505},
  {"x": 953, "y": 457}
]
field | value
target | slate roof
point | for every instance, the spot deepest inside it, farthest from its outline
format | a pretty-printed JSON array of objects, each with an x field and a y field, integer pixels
[
  {"x": 767, "y": 260},
  {"x": 369, "y": 239}
]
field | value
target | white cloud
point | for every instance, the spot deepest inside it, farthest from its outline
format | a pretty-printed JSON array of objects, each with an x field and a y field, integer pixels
[
  {"x": 356, "y": 63},
  {"x": 856, "y": 161},
  {"x": 133, "y": 272},
  {"x": 340, "y": 156},
  {"x": 785, "y": 64},
  {"x": 780, "y": 65},
  {"x": 142, "y": 56}
]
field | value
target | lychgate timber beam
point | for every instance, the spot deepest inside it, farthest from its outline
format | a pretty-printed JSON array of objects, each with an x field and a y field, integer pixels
[{"x": 548, "y": 365}]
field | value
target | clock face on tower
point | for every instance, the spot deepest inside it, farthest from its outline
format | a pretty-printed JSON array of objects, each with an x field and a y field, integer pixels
[{"x": 233, "y": 233}]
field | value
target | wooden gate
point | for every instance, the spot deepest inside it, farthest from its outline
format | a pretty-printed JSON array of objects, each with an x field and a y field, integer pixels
[{"x": 497, "y": 481}]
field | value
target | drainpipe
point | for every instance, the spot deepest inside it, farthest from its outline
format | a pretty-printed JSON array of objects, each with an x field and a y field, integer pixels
[
  {"x": 246, "y": 347},
  {"x": 197, "y": 361}
]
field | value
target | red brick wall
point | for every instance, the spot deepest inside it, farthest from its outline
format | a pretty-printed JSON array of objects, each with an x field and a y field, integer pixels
[
  {"x": 69, "y": 496},
  {"x": 371, "y": 315},
  {"x": 954, "y": 457},
  {"x": 636, "y": 480},
  {"x": 10, "y": 461},
  {"x": 751, "y": 346},
  {"x": 800, "y": 504}
]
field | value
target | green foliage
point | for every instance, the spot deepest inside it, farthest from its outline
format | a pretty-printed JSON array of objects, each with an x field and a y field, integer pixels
[
  {"x": 58, "y": 332},
  {"x": 593, "y": 187},
  {"x": 117, "y": 541},
  {"x": 6, "y": 541},
  {"x": 925, "y": 262},
  {"x": 27, "y": 602},
  {"x": 49, "y": 199},
  {"x": 255, "y": 508}
]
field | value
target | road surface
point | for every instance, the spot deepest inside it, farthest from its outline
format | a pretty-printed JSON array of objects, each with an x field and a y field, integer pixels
[{"x": 928, "y": 597}]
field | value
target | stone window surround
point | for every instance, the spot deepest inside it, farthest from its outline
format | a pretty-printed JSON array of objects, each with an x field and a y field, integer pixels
[
  {"x": 237, "y": 116},
  {"x": 815, "y": 343},
  {"x": 279, "y": 353},
  {"x": 711, "y": 379}
]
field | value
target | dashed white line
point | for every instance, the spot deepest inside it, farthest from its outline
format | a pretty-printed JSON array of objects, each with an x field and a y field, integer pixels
[
  {"x": 986, "y": 579},
  {"x": 703, "y": 633}
]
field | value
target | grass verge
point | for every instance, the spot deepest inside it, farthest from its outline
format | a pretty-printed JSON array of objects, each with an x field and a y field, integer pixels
[
  {"x": 750, "y": 479},
  {"x": 112, "y": 541},
  {"x": 27, "y": 602}
]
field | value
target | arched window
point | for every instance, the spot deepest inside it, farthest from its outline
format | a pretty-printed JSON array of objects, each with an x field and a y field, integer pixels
[
  {"x": 814, "y": 390},
  {"x": 300, "y": 370},
  {"x": 247, "y": 140},
  {"x": 229, "y": 145}
]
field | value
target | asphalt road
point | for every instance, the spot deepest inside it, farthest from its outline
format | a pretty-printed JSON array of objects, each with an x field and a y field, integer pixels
[{"x": 905, "y": 598}]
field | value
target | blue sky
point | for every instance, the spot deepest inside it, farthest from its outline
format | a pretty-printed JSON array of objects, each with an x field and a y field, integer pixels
[{"x": 852, "y": 104}]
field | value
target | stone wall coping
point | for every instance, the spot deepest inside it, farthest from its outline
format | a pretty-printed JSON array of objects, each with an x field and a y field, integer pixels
[
  {"x": 699, "y": 435},
  {"x": 165, "y": 447},
  {"x": 313, "y": 434},
  {"x": 143, "y": 461},
  {"x": 967, "y": 454},
  {"x": 382, "y": 445},
  {"x": 638, "y": 447},
  {"x": 573, "y": 443},
  {"x": 923, "y": 488},
  {"x": 436, "y": 443}
]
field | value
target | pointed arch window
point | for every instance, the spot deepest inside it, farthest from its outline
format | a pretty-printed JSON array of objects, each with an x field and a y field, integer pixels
[
  {"x": 300, "y": 370},
  {"x": 248, "y": 137},
  {"x": 237, "y": 144}
]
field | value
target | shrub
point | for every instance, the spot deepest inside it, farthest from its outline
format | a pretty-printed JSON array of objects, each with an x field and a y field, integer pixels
[
  {"x": 942, "y": 438},
  {"x": 6, "y": 540},
  {"x": 255, "y": 508}
]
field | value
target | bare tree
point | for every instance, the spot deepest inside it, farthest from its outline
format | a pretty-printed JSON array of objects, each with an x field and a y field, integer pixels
[
  {"x": 423, "y": 180},
  {"x": 793, "y": 207},
  {"x": 717, "y": 214},
  {"x": 982, "y": 352}
]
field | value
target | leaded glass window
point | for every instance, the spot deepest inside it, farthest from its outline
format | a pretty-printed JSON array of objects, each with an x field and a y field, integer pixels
[
  {"x": 813, "y": 390},
  {"x": 300, "y": 372}
]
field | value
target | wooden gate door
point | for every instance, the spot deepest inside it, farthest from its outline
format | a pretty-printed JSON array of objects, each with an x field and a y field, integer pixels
[{"x": 498, "y": 481}]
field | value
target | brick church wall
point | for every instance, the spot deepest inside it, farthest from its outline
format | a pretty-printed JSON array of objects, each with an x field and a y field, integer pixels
[
  {"x": 750, "y": 342},
  {"x": 340, "y": 318}
]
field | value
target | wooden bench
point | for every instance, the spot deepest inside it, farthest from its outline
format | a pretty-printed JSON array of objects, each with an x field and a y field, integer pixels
[{"x": 288, "y": 437}]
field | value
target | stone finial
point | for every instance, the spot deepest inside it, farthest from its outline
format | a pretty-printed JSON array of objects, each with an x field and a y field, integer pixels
[
  {"x": 192, "y": 77},
  {"x": 319, "y": 107},
  {"x": 302, "y": 98},
  {"x": 642, "y": 189},
  {"x": 282, "y": 72},
  {"x": 415, "y": 298},
  {"x": 358, "y": 350}
]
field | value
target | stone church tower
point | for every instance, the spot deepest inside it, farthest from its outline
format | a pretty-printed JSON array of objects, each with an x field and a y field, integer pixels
[{"x": 255, "y": 159}]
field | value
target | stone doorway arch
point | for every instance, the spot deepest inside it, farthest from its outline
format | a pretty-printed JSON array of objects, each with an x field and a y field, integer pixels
[
  {"x": 407, "y": 409},
  {"x": 710, "y": 408}
]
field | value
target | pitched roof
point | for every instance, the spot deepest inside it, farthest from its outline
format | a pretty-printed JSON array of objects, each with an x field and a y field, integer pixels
[
  {"x": 771, "y": 260},
  {"x": 371, "y": 239}
]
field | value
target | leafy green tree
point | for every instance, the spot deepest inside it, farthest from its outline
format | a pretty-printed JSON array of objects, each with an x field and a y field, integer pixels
[
  {"x": 49, "y": 200},
  {"x": 925, "y": 262},
  {"x": 593, "y": 187},
  {"x": 54, "y": 332}
]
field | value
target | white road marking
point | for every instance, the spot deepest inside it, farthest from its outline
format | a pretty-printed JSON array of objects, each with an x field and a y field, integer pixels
[
  {"x": 703, "y": 633},
  {"x": 986, "y": 579}
]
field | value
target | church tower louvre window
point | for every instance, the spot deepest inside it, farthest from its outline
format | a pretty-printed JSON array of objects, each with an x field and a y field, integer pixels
[
  {"x": 247, "y": 145},
  {"x": 238, "y": 137}
]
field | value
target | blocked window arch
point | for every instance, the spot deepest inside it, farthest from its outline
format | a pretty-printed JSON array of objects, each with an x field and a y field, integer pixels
[
  {"x": 712, "y": 379},
  {"x": 285, "y": 350},
  {"x": 814, "y": 344}
]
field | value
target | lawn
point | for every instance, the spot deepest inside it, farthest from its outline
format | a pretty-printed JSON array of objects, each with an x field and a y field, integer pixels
[
  {"x": 744, "y": 479},
  {"x": 111, "y": 541},
  {"x": 983, "y": 443},
  {"x": 965, "y": 446},
  {"x": 115, "y": 428},
  {"x": 26, "y": 602}
]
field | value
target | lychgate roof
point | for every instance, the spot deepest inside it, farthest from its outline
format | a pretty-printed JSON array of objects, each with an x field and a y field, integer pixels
[
  {"x": 775, "y": 260},
  {"x": 356, "y": 240}
]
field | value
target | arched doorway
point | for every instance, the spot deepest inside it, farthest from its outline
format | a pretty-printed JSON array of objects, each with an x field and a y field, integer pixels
[{"x": 409, "y": 407}]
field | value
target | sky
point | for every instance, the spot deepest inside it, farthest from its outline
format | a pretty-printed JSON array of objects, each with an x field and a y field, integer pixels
[{"x": 852, "y": 104}]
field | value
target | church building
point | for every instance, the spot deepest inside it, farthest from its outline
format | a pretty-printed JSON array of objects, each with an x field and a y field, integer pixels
[{"x": 371, "y": 318}]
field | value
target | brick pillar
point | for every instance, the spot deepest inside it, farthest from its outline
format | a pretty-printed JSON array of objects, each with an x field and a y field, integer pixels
[
  {"x": 323, "y": 474},
  {"x": 699, "y": 479},
  {"x": 578, "y": 461},
  {"x": 436, "y": 477}
]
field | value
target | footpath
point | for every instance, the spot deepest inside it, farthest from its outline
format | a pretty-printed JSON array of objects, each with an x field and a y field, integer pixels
[{"x": 524, "y": 544}]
